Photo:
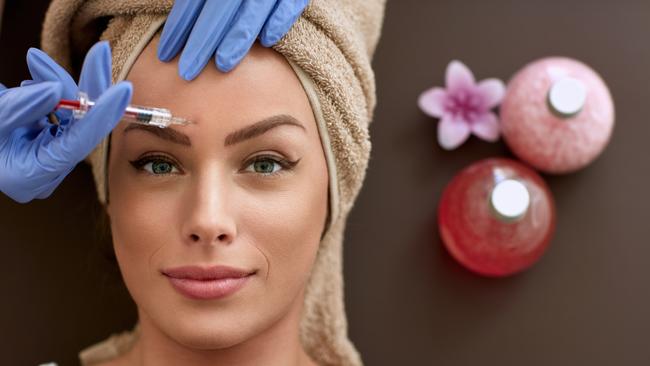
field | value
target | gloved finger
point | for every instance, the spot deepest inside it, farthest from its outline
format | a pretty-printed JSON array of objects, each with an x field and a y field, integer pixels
[
  {"x": 240, "y": 37},
  {"x": 2, "y": 87},
  {"x": 208, "y": 31},
  {"x": 27, "y": 105},
  {"x": 82, "y": 136},
  {"x": 43, "y": 68},
  {"x": 28, "y": 82},
  {"x": 278, "y": 24},
  {"x": 177, "y": 27},
  {"x": 62, "y": 115},
  {"x": 95, "y": 75}
]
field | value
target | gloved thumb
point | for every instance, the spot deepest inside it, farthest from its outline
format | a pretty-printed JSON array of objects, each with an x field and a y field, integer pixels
[
  {"x": 2, "y": 87},
  {"x": 81, "y": 137}
]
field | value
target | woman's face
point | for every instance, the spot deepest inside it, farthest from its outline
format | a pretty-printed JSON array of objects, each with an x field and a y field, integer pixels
[{"x": 213, "y": 198}]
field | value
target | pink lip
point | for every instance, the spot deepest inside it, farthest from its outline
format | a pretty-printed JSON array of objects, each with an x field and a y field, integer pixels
[{"x": 206, "y": 283}]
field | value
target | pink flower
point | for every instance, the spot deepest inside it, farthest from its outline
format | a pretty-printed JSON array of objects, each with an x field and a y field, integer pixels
[{"x": 464, "y": 107}]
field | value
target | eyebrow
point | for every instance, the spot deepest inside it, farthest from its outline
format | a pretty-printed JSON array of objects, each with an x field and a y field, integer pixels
[{"x": 243, "y": 134}]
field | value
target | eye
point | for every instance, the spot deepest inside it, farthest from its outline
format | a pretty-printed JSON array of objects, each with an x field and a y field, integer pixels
[
  {"x": 158, "y": 165},
  {"x": 267, "y": 165}
]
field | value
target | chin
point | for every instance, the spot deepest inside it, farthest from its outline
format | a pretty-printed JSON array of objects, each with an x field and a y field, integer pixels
[
  {"x": 215, "y": 329},
  {"x": 209, "y": 336}
]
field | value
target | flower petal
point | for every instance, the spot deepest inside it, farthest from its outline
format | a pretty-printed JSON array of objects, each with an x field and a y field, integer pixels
[
  {"x": 431, "y": 101},
  {"x": 452, "y": 133},
  {"x": 486, "y": 126},
  {"x": 458, "y": 76},
  {"x": 492, "y": 92}
]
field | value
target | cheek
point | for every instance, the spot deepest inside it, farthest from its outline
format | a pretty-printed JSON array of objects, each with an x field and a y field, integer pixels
[
  {"x": 140, "y": 225},
  {"x": 286, "y": 228}
]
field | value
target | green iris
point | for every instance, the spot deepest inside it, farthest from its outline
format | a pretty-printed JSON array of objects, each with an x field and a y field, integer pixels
[
  {"x": 161, "y": 167},
  {"x": 265, "y": 165}
]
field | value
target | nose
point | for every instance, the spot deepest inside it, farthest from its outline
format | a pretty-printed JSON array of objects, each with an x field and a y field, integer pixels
[{"x": 209, "y": 214}]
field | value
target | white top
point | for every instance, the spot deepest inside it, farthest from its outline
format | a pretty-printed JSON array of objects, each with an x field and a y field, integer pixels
[
  {"x": 510, "y": 198},
  {"x": 567, "y": 96}
]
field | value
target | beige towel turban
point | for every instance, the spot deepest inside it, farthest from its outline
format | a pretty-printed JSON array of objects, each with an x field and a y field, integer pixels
[{"x": 330, "y": 47}]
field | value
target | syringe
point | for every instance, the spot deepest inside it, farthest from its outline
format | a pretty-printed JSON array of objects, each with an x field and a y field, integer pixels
[{"x": 159, "y": 117}]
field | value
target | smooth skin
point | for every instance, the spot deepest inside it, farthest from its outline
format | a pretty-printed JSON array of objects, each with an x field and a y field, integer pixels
[{"x": 214, "y": 205}]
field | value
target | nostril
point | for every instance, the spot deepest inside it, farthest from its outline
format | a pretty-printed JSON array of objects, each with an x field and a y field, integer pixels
[{"x": 195, "y": 237}]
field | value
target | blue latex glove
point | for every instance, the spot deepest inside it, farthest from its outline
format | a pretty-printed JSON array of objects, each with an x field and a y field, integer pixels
[
  {"x": 35, "y": 155},
  {"x": 228, "y": 27}
]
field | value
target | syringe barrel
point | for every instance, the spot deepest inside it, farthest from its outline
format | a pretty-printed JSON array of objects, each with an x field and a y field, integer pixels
[{"x": 152, "y": 116}]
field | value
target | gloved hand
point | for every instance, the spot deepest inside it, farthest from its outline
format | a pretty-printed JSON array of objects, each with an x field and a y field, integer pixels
[
  {"x": 228, "y": 26},
  {"x": 35, "y": 155}
]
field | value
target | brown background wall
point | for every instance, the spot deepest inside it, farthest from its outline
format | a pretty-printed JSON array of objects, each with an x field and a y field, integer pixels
[{"x": 585, "y": 303}]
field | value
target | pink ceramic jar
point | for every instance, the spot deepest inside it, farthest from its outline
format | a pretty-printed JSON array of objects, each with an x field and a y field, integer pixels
[
  {"x": 557, "y": 115},
  {"x": 496, "y": 217}
]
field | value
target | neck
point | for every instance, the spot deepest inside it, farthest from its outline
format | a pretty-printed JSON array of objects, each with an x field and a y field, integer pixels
[{"x": 278, "y": 345}]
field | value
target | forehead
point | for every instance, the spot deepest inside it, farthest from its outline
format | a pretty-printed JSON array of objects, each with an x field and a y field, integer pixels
[{"x": 263, "y": 84}]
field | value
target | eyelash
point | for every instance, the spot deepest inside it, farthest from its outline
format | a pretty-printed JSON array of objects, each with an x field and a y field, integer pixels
[{"x": 286, "y": 165}]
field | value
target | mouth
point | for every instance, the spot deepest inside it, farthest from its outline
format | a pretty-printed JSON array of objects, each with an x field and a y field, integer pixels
[
  {"x": 207, "y": 283},
  {"x": 206, "y": 273}
]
